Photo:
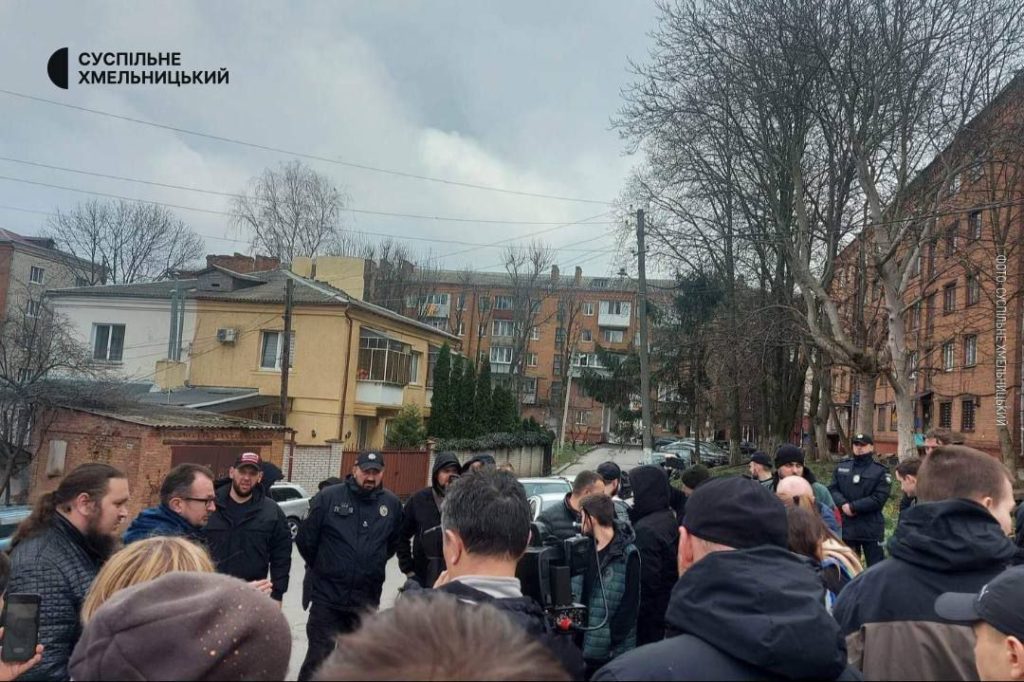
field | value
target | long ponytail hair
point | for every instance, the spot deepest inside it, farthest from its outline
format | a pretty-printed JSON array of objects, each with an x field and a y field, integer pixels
[{"x": 91, "y": 479}]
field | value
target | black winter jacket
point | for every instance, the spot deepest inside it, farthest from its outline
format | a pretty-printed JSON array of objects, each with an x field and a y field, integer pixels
[
  {"x": 420, "y": 515},
  {"x": 346, "y": 541},
  {"x": 259, "y": 542},
  {"x": 733, "y": 617},
  {"x": 888, "y": 612},
  {"x": 865, "y": 485},
  {"x": 530, "y": 616},
  {"x": 58, "y": 565},
  {"x": 657, "y": 538},
  {"x": 559, "y": 522}
]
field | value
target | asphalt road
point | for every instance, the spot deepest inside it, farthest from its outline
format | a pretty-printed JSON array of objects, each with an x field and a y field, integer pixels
[{"x": 625, "y": 456}]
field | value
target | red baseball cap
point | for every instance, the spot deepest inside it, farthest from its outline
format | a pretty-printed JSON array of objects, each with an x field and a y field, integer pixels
[{"x": 250, "y": 459}]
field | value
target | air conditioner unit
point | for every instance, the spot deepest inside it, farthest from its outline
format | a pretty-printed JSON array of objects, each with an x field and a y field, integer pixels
[{"x": 227, "y": 335}]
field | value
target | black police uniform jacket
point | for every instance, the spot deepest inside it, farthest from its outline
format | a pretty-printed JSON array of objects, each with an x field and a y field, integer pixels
[
  {"x": 261, "y": 541},
  {"x": 346, "y": 541},
  {"x": 865, "y": 485}
]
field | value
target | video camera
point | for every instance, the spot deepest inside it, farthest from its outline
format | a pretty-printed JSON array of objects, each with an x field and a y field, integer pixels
[{"x": 546, "y": 572}]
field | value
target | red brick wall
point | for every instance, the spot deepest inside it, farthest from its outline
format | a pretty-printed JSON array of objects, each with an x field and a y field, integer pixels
[
  {"x": 242, "y": 263},
  {"x": 142, "y": 453}
]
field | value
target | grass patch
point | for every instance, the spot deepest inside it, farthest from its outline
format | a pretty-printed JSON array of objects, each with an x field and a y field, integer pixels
[
  {"x": 567, "y": 455},
  {"x": 823, "y": 472}
]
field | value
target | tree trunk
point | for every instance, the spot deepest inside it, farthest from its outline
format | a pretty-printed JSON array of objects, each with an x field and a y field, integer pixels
[
  {"x": 866, "y": 408},
  {"x": 820, "y": 415},
  {"x": 735, "y": 427},
  {"x": 815, "y": 403}
]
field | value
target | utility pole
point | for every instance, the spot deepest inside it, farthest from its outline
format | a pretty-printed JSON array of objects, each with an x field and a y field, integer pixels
[
  {"x": 286, "y": 350},
  {"x": 645, "y": 377},
  {"x": 173, "y": 335},
  {"x": 565, "y": 409}
]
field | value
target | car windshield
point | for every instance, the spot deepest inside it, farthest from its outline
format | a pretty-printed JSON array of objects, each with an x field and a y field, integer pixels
[{"x": 542, "y": 487}]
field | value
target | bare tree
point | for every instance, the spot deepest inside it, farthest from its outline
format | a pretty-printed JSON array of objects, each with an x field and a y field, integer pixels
[
  {"x": 529, "y": 284},
  {"x": 291, "y": 211},
  {"x": 124, "y": 242}
]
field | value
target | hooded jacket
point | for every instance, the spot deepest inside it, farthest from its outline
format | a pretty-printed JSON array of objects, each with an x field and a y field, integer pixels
[
  {"x": 888, "y": 612},
  {"x": 657, "y": 538},
  {"x": 346, "y": 542},
  {"x": 260, "y": 541},
  {"x": 161, "y": 521},
  {"x": 422, "y": 513},
  {"x": 733, "y": 618}
]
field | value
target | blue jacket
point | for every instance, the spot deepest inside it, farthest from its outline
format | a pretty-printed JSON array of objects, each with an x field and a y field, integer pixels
[{"x": 160, "y": 520}]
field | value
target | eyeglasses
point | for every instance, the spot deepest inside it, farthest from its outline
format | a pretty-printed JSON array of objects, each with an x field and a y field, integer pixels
[{"x": 205, "y": 500}]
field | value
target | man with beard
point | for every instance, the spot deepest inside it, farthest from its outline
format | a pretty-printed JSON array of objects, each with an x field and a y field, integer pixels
[
  {"x": 352, "y": 530},
  {"x": 57, "y": 552},
  {"x": 186, "y": 501},
  {"x": 422, "y": 524},
  {"x": 248, "y": 533}
]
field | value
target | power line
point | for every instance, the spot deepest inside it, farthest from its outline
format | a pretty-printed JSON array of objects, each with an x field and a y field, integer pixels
[
  {"x": 314, "y": 157},
  {"x": 232, "y": 195}
]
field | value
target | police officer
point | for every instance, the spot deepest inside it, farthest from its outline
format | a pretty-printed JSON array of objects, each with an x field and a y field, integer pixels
[
  {"x": 860, "y": 486},
  {"x": 352, "y": 530}
]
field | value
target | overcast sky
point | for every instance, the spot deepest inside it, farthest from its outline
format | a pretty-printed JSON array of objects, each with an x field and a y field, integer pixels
[{"x": 509, "y": 94}]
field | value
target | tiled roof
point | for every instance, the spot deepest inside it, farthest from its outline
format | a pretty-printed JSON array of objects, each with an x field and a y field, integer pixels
[
  {"x": 167, "y": 417},
  {"x": 161, "y": 289}
]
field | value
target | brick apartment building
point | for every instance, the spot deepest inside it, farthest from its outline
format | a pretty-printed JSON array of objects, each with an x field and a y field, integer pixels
[
  {"x": 964, "y": 306},
  {"x": 30, "y": 266},
  {"x": 572, "y": 315}
]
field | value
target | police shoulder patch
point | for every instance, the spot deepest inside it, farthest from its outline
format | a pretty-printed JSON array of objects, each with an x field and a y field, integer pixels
[{"x": 383, "y": 510}]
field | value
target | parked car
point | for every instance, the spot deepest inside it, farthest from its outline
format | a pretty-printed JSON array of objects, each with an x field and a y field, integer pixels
[
  {"x": 294, "y": 502},
  {"x": 658, "y": 458},
  {"x": 710, "y": 454},
  {"x": 659, "y": 443},
  {"x": 746, "y": 447},
  {"x": 543, "y": 486},
  {"x": 10, "y": 517},
  {"x": 543, "y": 501}
]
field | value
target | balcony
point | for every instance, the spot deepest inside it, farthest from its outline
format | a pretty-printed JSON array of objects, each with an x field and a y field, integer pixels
[
  {"x": 378, "y": 393},
  {"x": 436, "y": 310},
  {"x": 614, "y": 315}
]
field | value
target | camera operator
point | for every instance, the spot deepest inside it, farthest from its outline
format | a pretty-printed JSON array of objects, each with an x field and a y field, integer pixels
[
  {"x": 486, "y": 525},
  {"x": 612, "y": 596},
  {"x": 423, "y": 562}
]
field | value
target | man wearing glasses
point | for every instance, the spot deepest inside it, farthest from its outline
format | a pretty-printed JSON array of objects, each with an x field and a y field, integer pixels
[
  {"x": 186, "y": 502},
  {"x": 247, "y": 533}
]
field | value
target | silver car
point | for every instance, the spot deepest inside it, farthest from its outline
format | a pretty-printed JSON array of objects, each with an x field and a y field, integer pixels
[
  {"x": 543, "y": 501},
  {"x": 293, "y": 501},
  {"x": 549, "y": 484}
]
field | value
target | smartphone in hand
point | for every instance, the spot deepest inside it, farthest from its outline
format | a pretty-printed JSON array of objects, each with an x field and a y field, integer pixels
[{"x": 21, "y": 627}]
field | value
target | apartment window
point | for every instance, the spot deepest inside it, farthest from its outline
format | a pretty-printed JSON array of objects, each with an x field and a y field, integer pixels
[
  {"x": 892, "y": 419},
  {"x": 502, "y": 328},
  {"x": 555, "y": 395},
  {"x": 483, "y": 303},
  {"x": 531, "y": 359},
  {"x": 948, "y": 360},
  {"x": 588, "y": 308},
  {"x": 534, "y": 305},
  {"x": 482, "y": 331},
  {"x": 949, "y": 298},
  {"x": 912, "y": 365},
  {"x": 432, "y": 353},
  {"x": 970, "y": 350},
  {"x": 929, "y": 314},
  {"x": 441, "y": 325},
  {"x": 560, "y": 335},
  {"x": 501, "y": 355},
  {"x": 974, "y": 225},
  {"x": 613, "y": 335},
  {"x": 615, "y": 307},
  {"x": 414, "y": 367},
  {"x": 462, "y": 329},
  {"x": 951, "y": 235},
  {"x": 582, "y": 417},
  {"x": 599, "y": 283},
  {"x": 460, "y": 302},
  {"x": 931, "y": 260},
  {"x": 556, "y": 364},
  {"x": 914, "y": 321},
  {"x": 973, "y": 290},
  {"x": 954, "y": 183},
  {"x": 967, "y": 415},
  {"x": 946, "y": 415},
  {"x": 271, "y": 349},
  {"x": 481, "y": 357},
  {"x": 503, "y": 303},
  {"x": 33, "y": 308},
  {"x": 35, "y": 275},
  {"x": 108, "y": 342},
  {"x": 530, "y": 385},
  {"x": 384, "y": 359},
  {"x": 586, "y": 335},
  {"x": 881, "y": 418},
  {"x": 535, "y": 333}
]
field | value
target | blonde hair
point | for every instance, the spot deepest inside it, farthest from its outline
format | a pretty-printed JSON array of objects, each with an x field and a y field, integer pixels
[{"x": 141, "y": 562}]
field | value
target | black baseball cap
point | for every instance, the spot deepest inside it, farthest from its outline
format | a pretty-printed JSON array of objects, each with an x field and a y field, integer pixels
[
  {"x": 249, "y": 459},
  {"x": 370, "y": 460},
  {"x": 609, "y": 471},
  {"x": 862, "y": 438},
  {"x": 762, "y": 459},
  {"x": 1000, "y": 603},
  {"x": 736, "y": 512}
]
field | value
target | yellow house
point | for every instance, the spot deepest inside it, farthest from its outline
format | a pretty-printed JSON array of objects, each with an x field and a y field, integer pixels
[{"x": 353, "y": 364}]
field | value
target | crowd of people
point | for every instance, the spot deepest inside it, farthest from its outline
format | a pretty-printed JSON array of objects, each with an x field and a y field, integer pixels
[{"x": 768, "y": 575}]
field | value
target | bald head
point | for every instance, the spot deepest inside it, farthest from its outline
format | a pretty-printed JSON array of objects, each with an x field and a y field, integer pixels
[{"x": 794, "y": 486}]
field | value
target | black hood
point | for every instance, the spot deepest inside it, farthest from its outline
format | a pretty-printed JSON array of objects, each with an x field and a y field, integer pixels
[
  {"x": 809, "y": 476},
  {"x": 650, "y": 491},
  {"x": 442, "y": 460},
  {"x": 484, "y": 458},
  {"x": 950, "y": 536},
  {"x": 762, "y": 606}
]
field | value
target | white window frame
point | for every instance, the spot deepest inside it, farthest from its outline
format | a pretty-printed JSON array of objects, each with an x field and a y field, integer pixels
[
  {"x": 109, "y": 326},
  {"x": 531, "y": 359},
  {"x": 499, "y": 353},
  {"x": 462, "y": 329},
  {"x": 588, "y": 308},
  {"x": 503, "y": 303},
  {"x": 277, "y": 351},
  {"x": 608, "y": 335},
  {"x": 498, "y": 327},
  {"x": 586, "y": 335},
  {"x": 535, "y": 334},
  {"x": 948, "y": 356},
  {"x": 33, "y": 308},
  {"x": 582, "y": 417},
  {"x": 970, "y": 350},
  {"x": 414, "y": 367},
  {"x": 32, "y": 275}
]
